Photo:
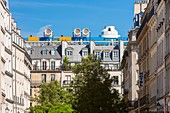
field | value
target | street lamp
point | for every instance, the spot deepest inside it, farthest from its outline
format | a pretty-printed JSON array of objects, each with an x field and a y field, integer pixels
[{"x": 6, "y": 109}]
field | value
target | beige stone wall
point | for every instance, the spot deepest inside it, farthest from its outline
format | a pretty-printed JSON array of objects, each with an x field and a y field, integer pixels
[{"x": 37, "y": 77}]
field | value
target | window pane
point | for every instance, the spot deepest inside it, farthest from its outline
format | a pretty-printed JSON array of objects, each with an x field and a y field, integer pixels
[
  {"x": 97, "y": 54},
  {"x": 106, "y": 66},
  {"x": 85, "y": 53},
  {"x": 53, "y": 65},
  {"x": 67, "y": 79},
  {"x": 116, "y": 81},
  {"x": 44, "y": 52},
  {"x": 44, "y": 65},
  {"x": 115, "y": 54},
  {"x": 52, "y": 77},
  {"x": 69, "y": 53},
  {"x": 53, "y": 52},
  {"x": 43, "y": 77},
  {"x": 106, "y": 54}
]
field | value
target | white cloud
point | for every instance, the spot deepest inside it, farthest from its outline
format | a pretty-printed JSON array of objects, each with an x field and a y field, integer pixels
[{"x": 41, "y": 30}]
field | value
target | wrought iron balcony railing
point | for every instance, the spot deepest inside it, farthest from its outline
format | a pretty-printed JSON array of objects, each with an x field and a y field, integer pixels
[
  {"x": 46, "y": 68},
  {"x": 144, "y": 100}
]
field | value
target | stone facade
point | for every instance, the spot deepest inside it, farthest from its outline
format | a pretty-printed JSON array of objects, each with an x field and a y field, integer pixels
[{"x": 15, "y": 66}]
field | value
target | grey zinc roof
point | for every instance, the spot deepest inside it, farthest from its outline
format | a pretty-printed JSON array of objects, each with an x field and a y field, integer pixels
[
  {"x": 77, "y": 52},
  {"x": 37, "y": 52},
  {"x": 104, "y": 47}
]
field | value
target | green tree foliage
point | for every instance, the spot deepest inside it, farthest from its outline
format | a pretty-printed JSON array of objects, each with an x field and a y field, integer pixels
[
  {"x": 52, "y": 98},
  {"x": 59, "y": 108},
  {"x": 93, "y": 89},
  {"x": 65, "y": 63}
]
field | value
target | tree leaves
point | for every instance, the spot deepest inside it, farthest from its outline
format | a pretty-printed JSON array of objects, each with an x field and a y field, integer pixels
[
  {"x": 52, "y": 98},
  {"x": 93, "y": 88}
]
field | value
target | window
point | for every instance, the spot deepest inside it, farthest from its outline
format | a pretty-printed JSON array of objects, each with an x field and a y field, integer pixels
[
  {"x": 44, "y": 65},
  {"x": 53, "y": 51},
  {"x": 106, "y": 66},
  {"x": 85, "y": 53},
  {"x": 69, "y": 53},
  {"x": 44, "y": 51},
  {"x": 43, "y": 77},
  {"x": 115, "y": 54},
  {"x": 52, "y": 77},
  {"x": 115, "y": 66},
  {"x": 30, "y": 51},
  {"x": 97, "y": 53},
  {"x": 115, "y": 81},
  {"x": 52, "y": 65},
  {"x": 106, "y": 54},
  {"x": 67, "y": 80}
]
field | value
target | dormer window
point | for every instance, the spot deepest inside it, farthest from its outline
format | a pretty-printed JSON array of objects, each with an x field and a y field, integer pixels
[
  {"x": 97, "y": 53},
  {"x": 115, "y": 53},
  {"x": 69, "y": 51},
  {"x": 53, "y": 51},
  {"x": 106, "y": 54},
  {"x": 44, "y": 51},
  {"x": 85, "y": 52},
  {"x": 30, "y": 51}
]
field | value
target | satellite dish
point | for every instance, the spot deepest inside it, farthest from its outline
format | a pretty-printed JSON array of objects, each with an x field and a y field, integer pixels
[
  {"x": 86, "y": 32},
  {"x": 77, "y": 32}
]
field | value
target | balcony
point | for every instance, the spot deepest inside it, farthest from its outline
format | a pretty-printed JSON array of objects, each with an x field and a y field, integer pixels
[
  {"x": 144, "y": 100},
  {"x": 153, "y": 100},
  {"x": 113, "y": 69},
  {"x": 45, "y": 68},
  {"x": 39, "y": 82},
  {"x": 67, "y": 82}
]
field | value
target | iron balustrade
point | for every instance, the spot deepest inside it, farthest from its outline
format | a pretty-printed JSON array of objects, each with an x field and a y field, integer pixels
[
  {"x": 39, "y": 82},
  {"x": 46, "y": 68},
  {"x": 152, "y": 100},
  {"x": 67, "y": 82},
  {"x": 144, "y": 100}
]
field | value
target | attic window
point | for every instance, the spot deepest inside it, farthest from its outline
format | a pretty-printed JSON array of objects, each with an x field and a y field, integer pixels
[
  {"x": 69, "y": 53},
  {"x": 53, "y": 51},
  {"x": 44, "y": 51},
  {"x": 30, "y": 51},
  {"x": 109, "y": 29},
  {"x": 85, "y": 53}
]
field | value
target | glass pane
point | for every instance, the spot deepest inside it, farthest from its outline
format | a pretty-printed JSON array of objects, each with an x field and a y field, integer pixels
[{"x": 52, "y": 77}]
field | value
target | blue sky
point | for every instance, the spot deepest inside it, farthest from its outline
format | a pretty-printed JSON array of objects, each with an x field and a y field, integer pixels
[{"x": 32, "y": 16}]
